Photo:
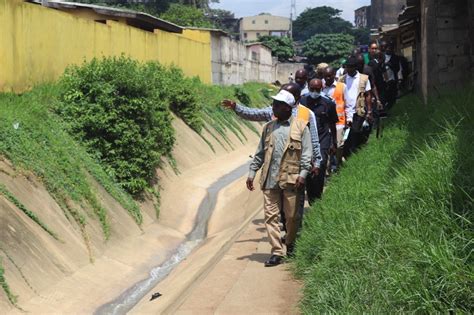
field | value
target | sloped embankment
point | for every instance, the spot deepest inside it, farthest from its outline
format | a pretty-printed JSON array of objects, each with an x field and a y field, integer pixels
[
  {"x": 393, "y": 232},
  {"x": 67, "y": 230}
]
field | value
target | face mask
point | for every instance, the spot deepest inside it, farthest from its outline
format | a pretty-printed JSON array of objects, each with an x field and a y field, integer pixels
[{"x": 314, "y": 95}]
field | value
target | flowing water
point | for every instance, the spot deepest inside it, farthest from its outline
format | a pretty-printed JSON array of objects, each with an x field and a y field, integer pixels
[{"x": 131, "y": 296}]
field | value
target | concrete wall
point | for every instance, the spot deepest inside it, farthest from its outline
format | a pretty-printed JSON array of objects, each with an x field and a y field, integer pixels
[
  {"x": 447, "y": 56},
  {"x": 235, "y": 63},
  {"x": 283, "y": 70},
  {"x": 385, "y": 11},
  {"x": 38, "y": 43}
]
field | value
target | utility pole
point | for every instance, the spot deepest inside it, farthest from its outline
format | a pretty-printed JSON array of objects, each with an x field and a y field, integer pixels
[{"x": 292, "y": 15}]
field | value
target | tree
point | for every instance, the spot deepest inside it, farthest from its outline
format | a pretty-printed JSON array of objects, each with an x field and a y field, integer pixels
[
  {"x": 225, "y": 20},
  {"x": 184, "y": 15},
  {"x": 361, "y": 35},
  {"x": 153, "y": 7},
  {"x": 328, "y": 47},
  {"x": 319, "y": 20},
  {"x": 282, "y": 47}
]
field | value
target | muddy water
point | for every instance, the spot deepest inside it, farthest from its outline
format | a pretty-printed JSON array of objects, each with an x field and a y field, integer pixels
[{"x": 131, "y": 296}]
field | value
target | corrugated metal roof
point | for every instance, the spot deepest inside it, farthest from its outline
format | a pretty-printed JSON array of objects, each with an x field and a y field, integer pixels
[{"x": 146, "y": 19}]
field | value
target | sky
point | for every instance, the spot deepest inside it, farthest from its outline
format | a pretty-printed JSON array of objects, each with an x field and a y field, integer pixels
[{"x": 282, "y": 7}]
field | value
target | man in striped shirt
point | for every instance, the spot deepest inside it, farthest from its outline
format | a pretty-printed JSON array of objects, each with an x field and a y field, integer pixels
[{"x": 266, "y": 114}]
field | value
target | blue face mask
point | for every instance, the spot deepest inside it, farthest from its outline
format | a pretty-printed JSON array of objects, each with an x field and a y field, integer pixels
[{"x": 314, "y": 95}]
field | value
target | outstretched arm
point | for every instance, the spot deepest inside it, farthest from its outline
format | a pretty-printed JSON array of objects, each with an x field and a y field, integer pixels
[{"x": 247, "y": 113}]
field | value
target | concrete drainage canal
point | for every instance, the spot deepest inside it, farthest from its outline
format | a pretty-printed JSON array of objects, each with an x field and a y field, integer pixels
[{"x": 131, "y": 296}]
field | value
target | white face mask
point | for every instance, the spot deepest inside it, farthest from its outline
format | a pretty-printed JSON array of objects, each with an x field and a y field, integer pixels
[{"x": 314, "y": 95}]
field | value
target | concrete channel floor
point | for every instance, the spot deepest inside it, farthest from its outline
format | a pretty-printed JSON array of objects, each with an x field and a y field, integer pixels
[{"x": 240, "y": 284}]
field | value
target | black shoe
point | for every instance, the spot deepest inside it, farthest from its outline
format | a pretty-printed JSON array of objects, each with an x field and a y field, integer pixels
[
  {"x": 274, "y": 261},
  {"x": 290, "y": 250}
]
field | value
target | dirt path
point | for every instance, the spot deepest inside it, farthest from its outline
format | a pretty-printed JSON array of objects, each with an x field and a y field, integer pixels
[
  {"x": 240, "y": 284},
  {"x": 237, "y": 284}
]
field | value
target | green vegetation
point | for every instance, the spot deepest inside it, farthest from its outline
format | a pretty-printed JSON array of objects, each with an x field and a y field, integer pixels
[
  {"x": 328, "y": 47},
  {"x": 319, "y": 20},
  {"x": 393, "y": 232},
  {"x": 118, "y": 108},
  {"x": 282, "y": 47},
  {"x": 109, "y": 121},
  {"x": 185, "y": 15},
  {"x": 7, "y": 194},
  {"x": 3, "y": 282},
  {"x": 34, "y": 139}
]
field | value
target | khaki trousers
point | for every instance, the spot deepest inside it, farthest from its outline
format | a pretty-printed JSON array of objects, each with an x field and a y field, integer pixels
[{"x": 273, "y": 200}]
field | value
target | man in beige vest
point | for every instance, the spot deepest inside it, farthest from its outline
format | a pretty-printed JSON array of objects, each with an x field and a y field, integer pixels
[{"x": 284, "y": 154}]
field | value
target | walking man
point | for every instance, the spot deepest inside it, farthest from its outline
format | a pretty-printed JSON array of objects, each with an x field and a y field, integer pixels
[
  {"x": 324, "y": 109},
  {"x": 284, "y": 154},
  {"x": 336, "y": 91},
  {"x": 358, "y": 104}
]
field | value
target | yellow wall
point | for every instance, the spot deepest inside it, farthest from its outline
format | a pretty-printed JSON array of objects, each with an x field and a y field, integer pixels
[{"x": 37, "y": 43}]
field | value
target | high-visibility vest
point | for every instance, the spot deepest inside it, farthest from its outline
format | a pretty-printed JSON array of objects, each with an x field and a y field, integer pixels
[
  {"x": 303, "y": 113},
  {"x": 338, "y": 97}
]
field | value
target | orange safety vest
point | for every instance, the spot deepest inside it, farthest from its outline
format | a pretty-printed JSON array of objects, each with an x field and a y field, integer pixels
[
  {"x": 303, "y": 113},
  {"x": 338, "y": 97}
]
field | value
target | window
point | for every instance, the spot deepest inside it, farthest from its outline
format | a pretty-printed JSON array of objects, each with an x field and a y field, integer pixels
[
  {"x": 245, "y": 35},
  {"x": 258, "y": 34},
  {"x": 266, "y": 21},
  {"x": 253, "y": 21},
  {"x": 254, "y": 56}
]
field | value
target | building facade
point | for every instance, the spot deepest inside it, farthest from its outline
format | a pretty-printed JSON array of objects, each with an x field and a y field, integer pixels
[
  {"x": 385, "y": 12},
  {"x": 362, "y": 17},
  {"x": 437, "y": 36},
  {"x": 252, "y": 27}
]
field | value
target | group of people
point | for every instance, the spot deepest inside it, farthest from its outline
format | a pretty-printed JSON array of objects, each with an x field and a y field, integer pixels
[{"x": 317, "y": 115}]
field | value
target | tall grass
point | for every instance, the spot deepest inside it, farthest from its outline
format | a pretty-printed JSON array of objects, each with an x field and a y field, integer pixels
[{"x": 393, "y": 232}]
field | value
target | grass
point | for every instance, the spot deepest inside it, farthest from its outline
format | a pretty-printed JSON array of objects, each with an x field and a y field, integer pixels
[
  {"x": 35, "y": 140},
  {"x": 393, "y": 232},
  {"x": 7, "y": 194},
  {"x": 219, "y": 120},
  {"x": 6, "y": 288}
]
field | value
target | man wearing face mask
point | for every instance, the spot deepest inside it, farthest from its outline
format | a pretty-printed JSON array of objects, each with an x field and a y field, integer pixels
[
  {"x": 324, "y": 109},
  {"x": 358, "y": 104},
  {"x": 284, "y": 154}
]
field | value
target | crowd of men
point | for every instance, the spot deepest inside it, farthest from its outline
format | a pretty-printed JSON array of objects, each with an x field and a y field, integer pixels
[{"x": 316, "y": 121}]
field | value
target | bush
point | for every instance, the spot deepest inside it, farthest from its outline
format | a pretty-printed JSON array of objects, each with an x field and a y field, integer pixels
[
  {"x": 118, "y": 110},
  {"x": 181, "y": 95}
]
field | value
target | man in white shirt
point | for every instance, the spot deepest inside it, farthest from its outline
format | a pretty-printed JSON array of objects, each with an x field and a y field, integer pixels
[
  {"x": 357, "y": 86},
  {"x": 341, "y": 70}
]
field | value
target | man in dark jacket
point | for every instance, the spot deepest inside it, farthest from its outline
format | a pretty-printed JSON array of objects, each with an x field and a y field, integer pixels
[
  {"x": 392, "y": 68},
  {"x": 324, "y": 109}
]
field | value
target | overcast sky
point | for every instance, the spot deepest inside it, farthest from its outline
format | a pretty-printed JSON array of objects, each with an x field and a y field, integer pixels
[{"x": 282, "y": 7}]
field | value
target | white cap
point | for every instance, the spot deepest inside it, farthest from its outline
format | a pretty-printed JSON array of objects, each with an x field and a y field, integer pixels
[{"x": 286, "y": 97}]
